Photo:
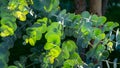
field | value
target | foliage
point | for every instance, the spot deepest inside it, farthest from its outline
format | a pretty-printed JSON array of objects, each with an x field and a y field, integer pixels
[{"x": 42, "y": 21}]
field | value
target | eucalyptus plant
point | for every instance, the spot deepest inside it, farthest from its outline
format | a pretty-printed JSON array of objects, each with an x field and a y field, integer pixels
[{"x": 66, "y": 40}]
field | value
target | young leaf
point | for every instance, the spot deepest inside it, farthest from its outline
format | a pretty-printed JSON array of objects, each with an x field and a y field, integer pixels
[
  {"x": 51, "y": 59},
  {"x": 48, "y": 46},
  {"x": 20, "y": 15},
  {"x": 6, "y": 31},
  {"x": 31, "y": 41},
  {"x": 101, "y": 36},
  {"x": 55, "y": 51},
  {"x": 53, "y": 38},
  {"x": 97, "y": 31}
]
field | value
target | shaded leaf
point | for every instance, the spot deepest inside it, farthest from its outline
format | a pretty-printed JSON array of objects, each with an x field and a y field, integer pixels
[{"x": 85, "y": 14}]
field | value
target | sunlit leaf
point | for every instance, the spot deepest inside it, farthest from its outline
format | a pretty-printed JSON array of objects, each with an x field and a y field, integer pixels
[
  {"x": 20, "y": 15},
  {"x": 43, "y": 28},
  {"x": 38, "y": 35},
  {"x": 6, "y": 31},
  {"x": 84, "y": 30},
  {"x": 55, "y": 51},
  {"x": 51, "y": 59},
  {"x": 48, "y": 46},
  {"x": 53, "y": 38},
  {"x": 110, "y": 25},
  {"x": 9, "y": 23},
  {"x": 13, "y": 4},
  {"x": 101, "y": 20},
  {"x": 110, "y": 44},
  {"x": 101, "y": 36},
  {"x": 43, "y": 20},
  {"x": 31, "y": 41},
  {"x": 53, "y": 26},
  {"x": 97, "y": 31}
]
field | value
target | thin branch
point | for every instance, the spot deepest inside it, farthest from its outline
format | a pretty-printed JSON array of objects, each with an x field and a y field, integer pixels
[
  {"x": 109, "y": 62},
  {"x": 108, "y": 66},
  {"x": 30, "y": 65}
]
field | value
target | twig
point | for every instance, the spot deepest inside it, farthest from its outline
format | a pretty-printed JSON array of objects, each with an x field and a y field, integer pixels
[
  {"x": 108, "y": 66},
  {"x": 30, "y": 65},
  {"x": 109, "y": 62}
]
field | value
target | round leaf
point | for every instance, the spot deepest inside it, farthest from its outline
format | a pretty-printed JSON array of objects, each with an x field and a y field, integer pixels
[
  {"x": 55, "y": 51},
  {"x": 12, "y": 66},
  {"x": 53, "y": 38},
  {"x": 48, "y": 46}
]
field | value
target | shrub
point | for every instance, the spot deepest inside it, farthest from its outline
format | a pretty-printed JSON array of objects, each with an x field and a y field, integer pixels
[{"x": 58, "y": 39}]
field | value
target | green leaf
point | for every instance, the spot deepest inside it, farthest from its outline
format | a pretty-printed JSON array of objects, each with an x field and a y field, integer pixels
[
  {"x": 77, "y": 58},
  {"x": 32, "y": 41},
  {"x": 110, "y": 25},
  {"x": 12, "y": 5},
  {"x": 110, "y": 45},
  {"x": 48, "y": 6},
  {"x": 48, "y": 46},
  {"x": 70, "y": 16},
  {"x": 101, "y": 20},
  {"x": 55, "y": 3},
  {"x": 6, "y": 31},
  {"x": 52, "y": 38},
  {"x": 91, "y": 52},
  {"x": 69, "y": 62},
  {"x": 97, "y": 31},
  {"x": 94, "y": 19},
  {"x": 65, "y": 53},
  {"x": 99, "y": 50},
  {"x": 70, "y": 45},
  {"x": 84, "y": 30},
  {"x": 101, "y": 36},
  {"x": 55, "y": 52},
  {"x": 12, "y": 66},
  {"x": 62, "y": 13},
  {"x": 105, "y": 54},
  {"x": 85, "y": 14},
  {"x": 43, "y": 20},
  {"x": 38, "y": 35},
  {"x": 53, "y": 26}
]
